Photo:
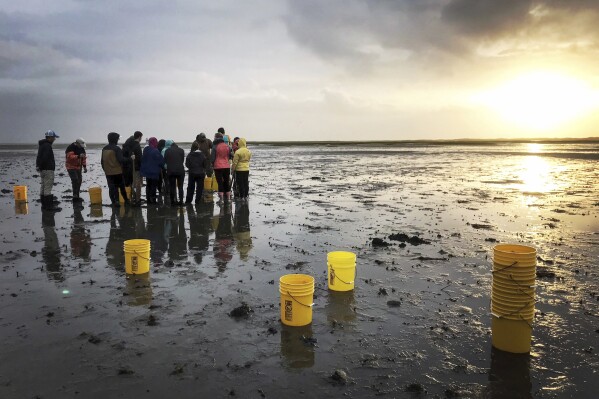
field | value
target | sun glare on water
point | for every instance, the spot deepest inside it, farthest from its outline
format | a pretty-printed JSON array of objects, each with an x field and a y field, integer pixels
[{"x": 541, "y": 100}]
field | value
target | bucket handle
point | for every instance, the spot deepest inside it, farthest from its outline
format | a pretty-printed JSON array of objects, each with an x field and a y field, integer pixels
[
  {"x": 344, "y": 282},
  {"x": 521, "y": 318},
  {"x": 141, "y": 256},
  {"x": 303, "y": 304}
]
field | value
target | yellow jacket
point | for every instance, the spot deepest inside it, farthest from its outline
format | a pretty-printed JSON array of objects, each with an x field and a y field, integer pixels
[{"x": 241, "y": 159}]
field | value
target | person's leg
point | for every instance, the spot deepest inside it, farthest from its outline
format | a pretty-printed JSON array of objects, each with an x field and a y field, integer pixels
[
  {"x": 172, "y": 184},
  {"x": 191, "y": 181},
  {"x": 112, "y": 191},
  {"x": 79, "y": 181},
  {"x": 227, "y": 183},
  {"x": 73, "y": 175},
  {"x": 200, "y": 187},
  {"x": 242, "y": 181},
  {"x": 220, "y": 180},
  {"x": 121, "y": 185},
  {"x": 180, "y": 181}
]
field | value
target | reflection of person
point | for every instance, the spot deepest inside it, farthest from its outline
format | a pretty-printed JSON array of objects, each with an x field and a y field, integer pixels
[
  {"x": 241, "y": 169},
  {"x": 123, "y": 227},
  {"x": 80, "y": 238},
  {"x": 151, "y": 167},
  {"x": 241, "y": 230},
  {"x": 51, "y": 248},
  {"x": 76, "y": 159},
  {"x": 177, "y": 246},
  {"x": 199, "y": 228},
  {"x": 197, "y": 164},
  {"x": 155, "y": 233},
  {"x": 112, "y": 163},
  {"x": 45, "y": 165},
  {"x": 132, "y": 165},
  {"x": 223, "y": 239}
]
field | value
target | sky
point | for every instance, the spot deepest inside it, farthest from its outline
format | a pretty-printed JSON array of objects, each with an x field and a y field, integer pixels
[{"x": 299, "y": 69}]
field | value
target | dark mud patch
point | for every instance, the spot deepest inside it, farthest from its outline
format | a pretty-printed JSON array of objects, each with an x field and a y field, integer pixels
[
  {"x": 413, "y": 240},
  {"x": 380, "y": 243},
  {"x": 242, "y": 311}
]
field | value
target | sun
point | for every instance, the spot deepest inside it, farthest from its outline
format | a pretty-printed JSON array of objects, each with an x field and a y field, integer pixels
[{"x": 541, "y": 100}]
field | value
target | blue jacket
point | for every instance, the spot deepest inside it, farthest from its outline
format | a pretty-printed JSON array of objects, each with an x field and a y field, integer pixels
[{"x": 151, "y": 163}]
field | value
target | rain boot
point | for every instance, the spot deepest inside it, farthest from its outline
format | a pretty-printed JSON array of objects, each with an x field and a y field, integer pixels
[{"x": 48, "y": 204}]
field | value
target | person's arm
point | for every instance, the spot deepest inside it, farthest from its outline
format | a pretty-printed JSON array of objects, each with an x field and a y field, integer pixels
[
  {"x": 84, "y": 161},
  {"x": 235, "y": 162},
  {"x": 187, "y": 163},
  {"x": 119, "y": 155},
  {"x": 213, "y": 155}
]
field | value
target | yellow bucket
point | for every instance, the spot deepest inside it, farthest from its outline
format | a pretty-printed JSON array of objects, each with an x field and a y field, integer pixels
[
  {"x": 20, "y": 193},
  {"x": 511, "y": 335},
  {"x": 95, "y": 195},
  {"x": 297, "y": 294},
  {"x": 515, "y": 252},
  {"x": 501, "y": 262},
  {"x": 341, "y": 270},
  {"x": 21, "y": 208},
  {"x": 214, "y": 183},
  {"x": 137, "y": 256},
  {"x": 513, "y": 281},
  {"x": 128, "y": 191},
  {"x": 208, "y": 183},
  {"x": 96, "y": 211},
  {"x": 512, "y": 296}
]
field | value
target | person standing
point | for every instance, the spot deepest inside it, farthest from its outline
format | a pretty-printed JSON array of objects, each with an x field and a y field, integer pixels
[
  {"x": 112, "y": 163},
  {"x": 221, "y": 154},
  {"x": 197, "y": 164},
  {"x": 241, "y": 168},
  {"x": 174, "y": 157},
  {"x": 46, "y": 166},
  {"x": 76, "y": 159},
  {"x": 132, "y": 154},
  {"x": 205, "y": 146},
  {"x": 152, "y": 162}
]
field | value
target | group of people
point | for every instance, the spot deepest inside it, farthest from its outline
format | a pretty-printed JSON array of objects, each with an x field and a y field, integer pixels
[{"x": 162, "y": 163}]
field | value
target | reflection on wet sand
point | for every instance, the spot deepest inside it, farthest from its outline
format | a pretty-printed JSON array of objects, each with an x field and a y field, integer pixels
[
  {"x": 241, "y": 230},
  {"x": 200, "y": 227},
  {"x": 340, "y": 308},
  {"x": 155, "y": 232},
  {"x": 80, "y": 238},
  {"x": 125, "y": 224},
  {"x": 51, "y": 248},
  {"x": 21, "y": 208},
  {"x": 223, "y": 239},
  {"x": 509, "y": 376},
  {"x": 174, "y": 229},
  {"x": 96, "y": 211},
  {"x": 139, "y": 289},
  {"x": 297, "y": 346}
]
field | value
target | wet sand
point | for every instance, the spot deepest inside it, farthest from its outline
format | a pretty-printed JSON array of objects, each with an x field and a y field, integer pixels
[{"x": 73, "y": 324}]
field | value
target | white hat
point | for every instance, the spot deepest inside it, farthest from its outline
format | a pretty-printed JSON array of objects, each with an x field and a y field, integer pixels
[{"x": 81, "y": 142}]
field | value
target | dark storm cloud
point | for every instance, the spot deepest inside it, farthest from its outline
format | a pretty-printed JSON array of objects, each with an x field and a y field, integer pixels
[{"x": 340, "y": 30}]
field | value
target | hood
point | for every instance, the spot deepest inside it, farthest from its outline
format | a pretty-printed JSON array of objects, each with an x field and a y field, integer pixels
[
  {"x": 42, "y": 141},
  {"x": 168, "y": 143},
  {"x": 242, "y": 143},
  {"x": 153, "y": 142},
  {"x": 217, "y": 141},
  {"x": 113, "y": 138}
]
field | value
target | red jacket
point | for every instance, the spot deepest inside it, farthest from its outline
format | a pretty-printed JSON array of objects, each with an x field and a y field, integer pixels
[{"x": 72, "y": 160}]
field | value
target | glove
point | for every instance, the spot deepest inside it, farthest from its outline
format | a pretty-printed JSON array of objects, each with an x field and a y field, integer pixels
[{"x": 84, "y": 169}]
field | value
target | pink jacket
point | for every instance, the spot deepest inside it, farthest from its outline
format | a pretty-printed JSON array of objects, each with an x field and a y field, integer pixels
[{"x": 221, "y": 156}]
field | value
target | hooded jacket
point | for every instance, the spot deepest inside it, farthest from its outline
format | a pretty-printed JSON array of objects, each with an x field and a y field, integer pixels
[
  {"x": 205, "y": 145},
  {"x": 132, "y": 147},
  {"x": 241, "y": 159},
  {"x": 72, "y": 159},
  {"x": 112, "y": 156},
  {"x": 152, "y": 162},
  {"x": 197, "y": 163},
  {"x": 174, "y": 157},
  {"x": 221, "y": 153},
  {"x": 45, "y": 156}
]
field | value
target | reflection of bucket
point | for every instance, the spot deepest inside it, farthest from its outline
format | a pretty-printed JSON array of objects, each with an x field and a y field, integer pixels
[
  {"x": 509, "y": 375},
  {"x": 21, "y": 208},
  {"x": 20, "y": 193},
  {"x": 297, "y": 293},
  {"x": 139, "y": 289},
  {"x": 96, "y": 211},
  {"x": 128, "y": 191},
  {"x": 295, "y": 351},
  {"x": 95, "y": 195},
  {"x": 511, "y": 335},
  {"x": 341, "y": 307},
  {"x": 137, "y": 256},
  {"x": 341, "y": 270}
]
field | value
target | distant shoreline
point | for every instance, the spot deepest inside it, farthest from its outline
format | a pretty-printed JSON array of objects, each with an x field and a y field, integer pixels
[{"x": 569, "y": 140}]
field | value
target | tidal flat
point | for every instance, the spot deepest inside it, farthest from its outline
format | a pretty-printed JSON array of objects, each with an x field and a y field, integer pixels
[{"x": 205, "y": 322}]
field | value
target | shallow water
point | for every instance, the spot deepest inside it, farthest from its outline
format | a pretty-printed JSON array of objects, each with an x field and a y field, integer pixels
[{"x": 72, "y": 324}]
